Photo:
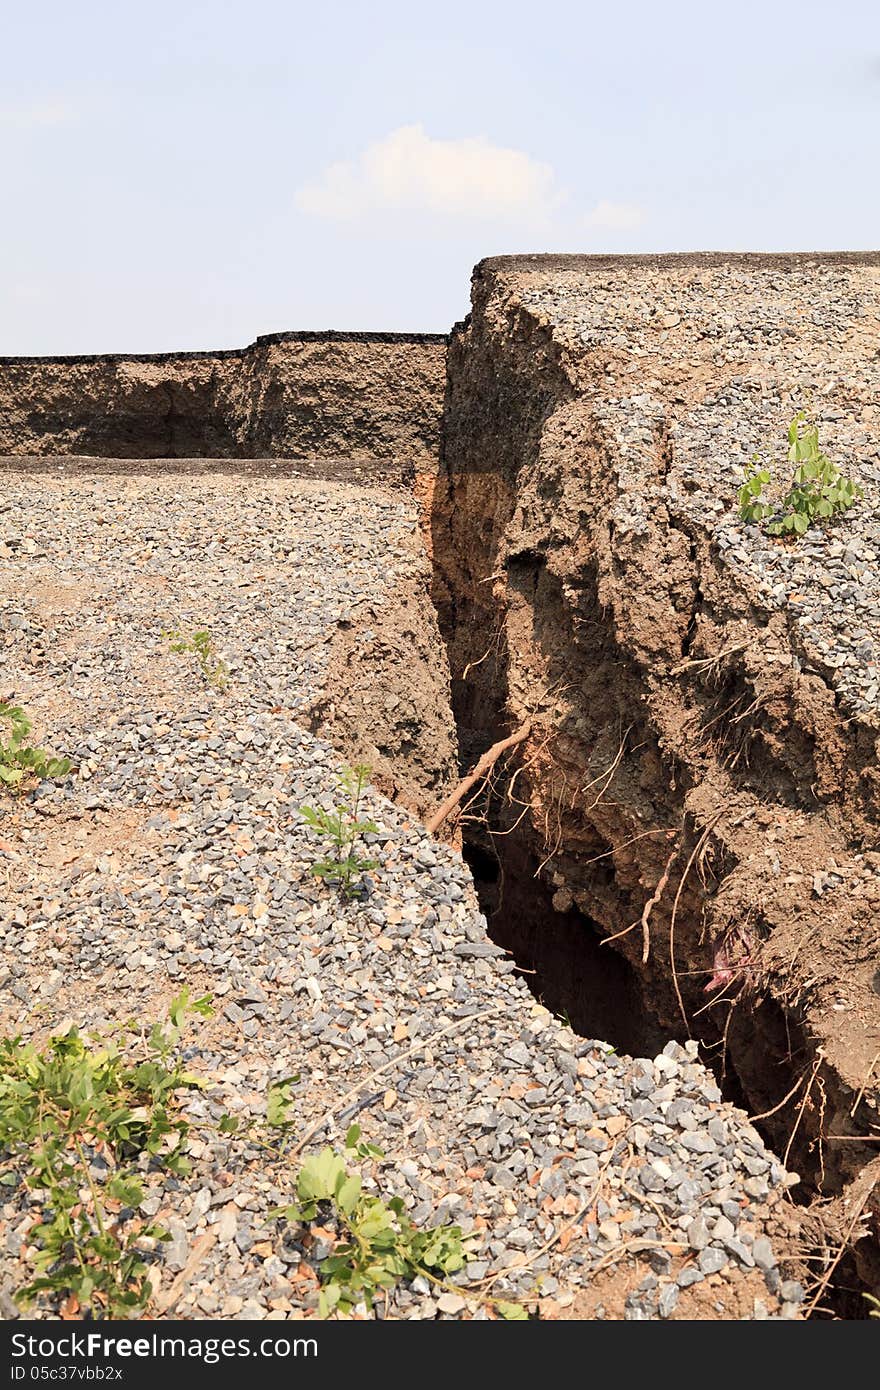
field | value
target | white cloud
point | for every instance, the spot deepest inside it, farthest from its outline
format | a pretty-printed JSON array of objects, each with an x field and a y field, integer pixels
[
  {"x": 410, "y": 171},
  {"x": 29, "y": 117},
  {"x": 616, "y": 217},
  {"x": 26, "y": 292}
]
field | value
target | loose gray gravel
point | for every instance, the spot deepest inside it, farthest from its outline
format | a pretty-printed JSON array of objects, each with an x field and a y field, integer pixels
[
  {"x": 723, "y": 356},
  {"x": 175, "y": 854}
]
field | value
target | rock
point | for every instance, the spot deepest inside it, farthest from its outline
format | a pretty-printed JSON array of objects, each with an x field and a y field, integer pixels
[
  {"x": 176, "y": 1251},
  {"x": 762, "y": 1254},
  {"x": 667, "y": 1300},
  {"x": 451, "y": 1304},
  {"x": 698, "y": 1235},
  {"x": 712, "y": 1260}
]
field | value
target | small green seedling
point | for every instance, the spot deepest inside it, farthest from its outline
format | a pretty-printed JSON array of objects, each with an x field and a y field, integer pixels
[
  {"x": 74, "y": 1118},
  {"x": 200, "y": 644},
  {"x": 752, "y": 505},
  {"x": 342, "y": 826},
  {"x": 18, "y": 760},
  {"x": 379, "y": 1245},
  {"x": 818, "y": 490},
  {"x": 278, "y": 1103}
]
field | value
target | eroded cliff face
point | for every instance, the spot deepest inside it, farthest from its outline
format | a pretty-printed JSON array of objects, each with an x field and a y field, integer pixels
[
  {"x": 699, "y": 788},
  {"x": 701, "y": 779},
  {"x": 310, "y": 395}
]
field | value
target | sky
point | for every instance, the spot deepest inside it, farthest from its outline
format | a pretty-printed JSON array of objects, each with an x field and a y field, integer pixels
[{"x": 186, "y": 175}]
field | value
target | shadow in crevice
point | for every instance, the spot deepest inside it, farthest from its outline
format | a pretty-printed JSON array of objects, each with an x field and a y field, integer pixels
[{"x": 590, "y": 987}]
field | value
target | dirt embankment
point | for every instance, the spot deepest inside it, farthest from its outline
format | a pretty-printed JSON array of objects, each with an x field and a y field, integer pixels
[
  {"x": 701, "y": 781},
  {"x": 367, "y": 396}
]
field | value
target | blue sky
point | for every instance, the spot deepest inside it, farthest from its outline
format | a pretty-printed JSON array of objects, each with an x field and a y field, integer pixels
[{"x": 188, "y": 175}]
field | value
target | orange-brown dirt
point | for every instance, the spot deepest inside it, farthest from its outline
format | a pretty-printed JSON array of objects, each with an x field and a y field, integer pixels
[{"x": 698, "y": 798}]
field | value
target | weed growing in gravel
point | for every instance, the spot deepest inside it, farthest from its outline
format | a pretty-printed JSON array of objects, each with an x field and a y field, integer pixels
[
  {"x": 752, "y": 504},
  {"x": 74, "y": 1119},
  {"x": 378, "y": 1244},
  {"x": 18, "y": 760},
  {"x": 278, "y": 1103},
  {"x": 342, "y": 826},
  {"x": 201, "y": 645},
  {"x": 818, "y": 490}
]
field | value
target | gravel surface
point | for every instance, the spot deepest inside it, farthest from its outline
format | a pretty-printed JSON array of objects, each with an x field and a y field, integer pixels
[
  {"x": 175, "y": 854},
  {"x": 719, "y": 336}
]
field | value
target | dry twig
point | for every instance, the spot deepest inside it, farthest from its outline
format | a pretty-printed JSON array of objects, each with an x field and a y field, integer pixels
[{"x": 165, "y": 1302}]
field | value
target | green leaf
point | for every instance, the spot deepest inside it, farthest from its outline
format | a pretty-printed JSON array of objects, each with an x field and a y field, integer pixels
[
  {"x": 177, "y": 1164},
  {"x": 348, "y": 1194},
  {"x": 126, "y": 1190},
  {"x": 320, "y": 1175},
  {"x": 512, "y": 1312},
  {"x": 279, "y": 1101},
  {"x": 328, "y": 1300}
]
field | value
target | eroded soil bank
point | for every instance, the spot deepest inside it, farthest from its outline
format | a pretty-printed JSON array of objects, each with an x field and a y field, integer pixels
[
  {"x": 323, "y": 396},
  {"x": 700, "y": 780},
  {"x": 685, "y": 840}
]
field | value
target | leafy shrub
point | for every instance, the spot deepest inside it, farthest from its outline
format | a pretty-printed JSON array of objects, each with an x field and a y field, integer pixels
[
  {"x": 379, "y": 1245},
  {"x": 342, "y": 826},
  {"x": 74, "y": 1118},
  {"x": 18, "y": 760},
  {"x": 818, "y": 489}
]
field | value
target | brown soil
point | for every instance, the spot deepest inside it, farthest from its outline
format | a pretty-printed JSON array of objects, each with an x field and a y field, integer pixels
[
  {"x": 716, "y": 1298},
  {"x": 309, "y": 396},
  {"x": 674, "y": 757},
  {"x": 386, "y": 702}
]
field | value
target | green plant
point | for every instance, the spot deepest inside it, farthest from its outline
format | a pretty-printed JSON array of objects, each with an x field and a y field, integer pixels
[
  {"x": 74, "y": 1119},
  {"x": 343, "y": 825},
  {"x": 201, "y": 645},
  {"x": 818, "y": 489},
  {"x": 752, "y": 506},
  {"x": 875, "y": 1305},
  {"x": 278, "y": 1103},
  {"x": 378, "y": 1245},
  {"x": 17, "y": 759}
]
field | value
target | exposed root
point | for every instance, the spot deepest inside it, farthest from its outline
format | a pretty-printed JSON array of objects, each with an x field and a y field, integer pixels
[
  {"x": 607, "y": 776},
  {"x": 648, "y": 909},
  {"x": 844, "y": 1245},
  {"x": 483, "y": 767},
  {"x": 696, "y": 851},
  {"x": 708, "y": 665},
  {"x": 802, "y": 1107}
]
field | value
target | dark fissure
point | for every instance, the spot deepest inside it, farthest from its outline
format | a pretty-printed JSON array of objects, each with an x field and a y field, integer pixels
[{"x": 560, "y": 954}]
